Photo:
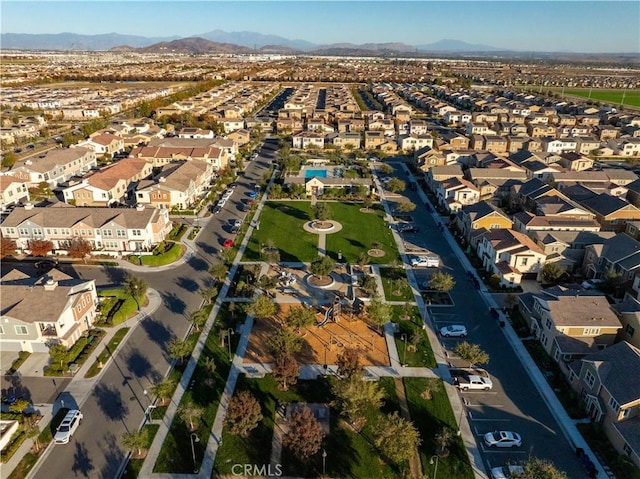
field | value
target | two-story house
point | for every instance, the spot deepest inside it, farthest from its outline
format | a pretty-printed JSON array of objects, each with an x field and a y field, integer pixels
[
  {"x": 608, "y": 383},
  {"x": 65, "y": 306},
  {"x": 55, "y": 166},
  {"x": 510, "y": 255},
  {"x": 455, "y": 193},
  {"x": 482, "y": 215},
  {"x": 12, "y": 191},
  {"x": 619, "y": 255}
]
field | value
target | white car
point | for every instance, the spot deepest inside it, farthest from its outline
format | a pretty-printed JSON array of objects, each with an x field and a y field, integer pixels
[
  {"x": 507, "y": 472},
  {"x": 68, "y": 426},
  {"x": 502, "y": 439},
  {"x": 428, "y": 261},
  {"x": 453, "y": 331},
  {"x": 385, "y": 179}
]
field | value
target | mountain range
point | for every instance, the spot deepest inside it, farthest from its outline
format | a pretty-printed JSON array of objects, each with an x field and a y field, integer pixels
[{"x": 228, "y": 42}]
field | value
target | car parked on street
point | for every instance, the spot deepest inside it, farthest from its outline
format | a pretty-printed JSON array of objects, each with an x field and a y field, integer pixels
[
  {"x": 502, "y": 439},
  {"x": 68, "y": 426},
  {"x": 453, "y": 331},
  {"x": 592, "y": 283},
  {"x": 425, "y": 261},
  {"x": 507, "y": 472},
  {"x": 228, "y": 243}
]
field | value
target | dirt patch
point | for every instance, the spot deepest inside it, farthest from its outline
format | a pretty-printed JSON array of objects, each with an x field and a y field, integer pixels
[
  {"x": 366, "y": 210},
  {"x": 330, "y": 340},
  {"x": 376, "y": 253}
]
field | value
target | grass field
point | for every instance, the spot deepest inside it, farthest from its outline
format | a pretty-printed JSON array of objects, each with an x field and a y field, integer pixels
[{"x": 631, "y": 97}]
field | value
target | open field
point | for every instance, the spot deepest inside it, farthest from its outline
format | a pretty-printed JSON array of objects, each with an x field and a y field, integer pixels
[{"x": 631, "y": 97}]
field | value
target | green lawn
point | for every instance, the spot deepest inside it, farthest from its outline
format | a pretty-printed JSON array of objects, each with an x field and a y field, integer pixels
[
  {"x": 388, "y": 276},
  {"x": 430, "y": 417},
  {"x": 205, "y": 391},
  {"x": 631, "y": 97},
  {"x": 423, "y": 355},
  {"x": 349, "y": 454},
  {"x": 134, "y": 465},
  {"x": 107, "y": 352},
  {"x": 281, "y": 223},
  {"x": 360, "y": 232},
  {"x": 117, "y": 306},
  {"x": 171, "y": 254}
]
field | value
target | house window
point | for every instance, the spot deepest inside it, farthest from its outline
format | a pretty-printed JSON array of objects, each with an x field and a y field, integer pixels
[
  {"x": 544, "y": 340},
  {"x": 21, "y": 330},
  {"x": 1, "y": 330},
  {"x": 23, "y": 231},
  {"x": 524, "y": 261},
  {"x": 591, "y": 331},
  {"x": 630, "y": 330},
  {"x": 548, "y": 323},
  {"x": 556, "y": 355},
  {"x": 589, "y": 379},
  {"x": 613, "y": 404},
  {"x": 626, "y": 449},
  {"x": 107, "y": 233},
  {"x": 10, "y": 231},
  {"x": 572, "y": 376}
]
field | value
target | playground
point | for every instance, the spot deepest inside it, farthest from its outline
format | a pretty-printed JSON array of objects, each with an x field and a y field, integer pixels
[{"x": 338, "y": 327}]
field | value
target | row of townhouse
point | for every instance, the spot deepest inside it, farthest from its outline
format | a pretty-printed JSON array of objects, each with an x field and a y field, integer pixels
[
  {"x": 66, "y": 309},
  {"x": 108, "y": 230},
  {"x": 596, "y": 347}
]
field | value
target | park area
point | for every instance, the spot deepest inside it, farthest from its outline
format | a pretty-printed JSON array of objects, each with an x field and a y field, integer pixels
[
  {"x": 631, "y": 97},
  {"x": 282, "y": 227}
]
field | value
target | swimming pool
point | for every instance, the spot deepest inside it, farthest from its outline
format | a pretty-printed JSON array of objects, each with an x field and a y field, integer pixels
[{"x": 318, "y": 173}]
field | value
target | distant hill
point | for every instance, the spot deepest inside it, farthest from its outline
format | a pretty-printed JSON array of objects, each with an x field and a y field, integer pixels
[
  {"x": 74, "y": 41},
  {"x": 447, "y": 45},
  {"x": 256, "y": 40},
  {"x": 193, "y": 45}
]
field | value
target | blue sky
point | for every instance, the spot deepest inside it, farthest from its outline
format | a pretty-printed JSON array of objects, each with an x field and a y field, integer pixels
[{"x": 578, "y": 26}]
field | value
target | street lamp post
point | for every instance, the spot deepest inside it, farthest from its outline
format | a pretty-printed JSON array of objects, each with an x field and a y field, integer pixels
[
  {"x": 324, "y": 459},
  {"x": 435, "y": 472},
  {"x": 229, "y": 333},
  {"x": 404, "y": 351},
  {"x": 148, "y": 407},
  {"x": 193, "y": 451}
]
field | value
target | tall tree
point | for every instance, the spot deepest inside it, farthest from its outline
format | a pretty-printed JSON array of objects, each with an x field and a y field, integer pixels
[
  {"x": 441, "y": 281},
  {"x": 198, "y": 318},
  {"x": 8, "y": 247},
  {"x": 79, "y": 248},
  {"x": 354, "y": 397},
  {"x": 261, "y": 307},
  {"x": 136, "y": 288},
  {"x": 285, "y": 371},
  {"x": 471, "y": 353},
  {"x": 443, "y": 440},
  {"x": 304, "y": 436},
  {"x": 164, "y": 389},
  {"x": 190, "y": 412},
  {"x": 322, "y": 266},
  {"x": 208, "y": 294},
  {"x": 431, "y": 385},
  {"x": 385, "y": 168},
  {"x": 349, "y": 363},
  {"x": 58, "y": 353},
  {"x": 396, "y": 437},
  {"x": 219, "y": 271},
  {"x": 136, "y": 440},
  {"x": 396, "y": 185},
  {"x": 40, "y": 247},
  {"x": 179, "y": 349},
  {"x": 284, "y": 340},
  {"x": 243, "y": 414},
  {"x": 19, "y": 406},
  {"x": 321, "y": 211},
  {"x": 552, "y": 273},
  {"x": 379, "y": 312},
  {"x": 32, "y": 431},
  {"x": 299, "y": 317},
  {"x": 406, "y": 206}
]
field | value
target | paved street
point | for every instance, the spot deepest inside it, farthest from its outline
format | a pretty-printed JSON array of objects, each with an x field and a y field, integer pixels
[
  {"x": 117, "y": 403},
  {"x": 514, "y": 403}
]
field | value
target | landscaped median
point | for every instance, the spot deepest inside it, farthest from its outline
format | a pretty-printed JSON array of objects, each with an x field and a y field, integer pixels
[
  {"x": 166, "y": 252},
  {"x": 109, "y": 349}
]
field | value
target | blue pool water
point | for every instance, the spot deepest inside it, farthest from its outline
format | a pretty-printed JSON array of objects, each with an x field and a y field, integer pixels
[{"x": 318, "y": 173}]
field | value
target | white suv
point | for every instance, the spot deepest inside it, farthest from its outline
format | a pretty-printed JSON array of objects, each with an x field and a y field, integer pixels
[{"x": 68, "y": 426}]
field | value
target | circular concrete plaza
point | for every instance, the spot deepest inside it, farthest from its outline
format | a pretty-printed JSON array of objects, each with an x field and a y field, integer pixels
[{"x": 327, "y": 227}]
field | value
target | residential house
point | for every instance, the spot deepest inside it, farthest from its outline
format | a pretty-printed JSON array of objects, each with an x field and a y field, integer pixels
[
  {"x": 567, "y": 248},
  {"x": 455, "y": 193},
  {"x": 481, "y": 216},
  {"x": 573, "y": 161},
  {"x": 12, "y": 191},
  {"x": 426, "y": 158},
  {"x": 316, "y": 186},
  {"x": 178, "y": 185},
  {"x": 435, "y": 175},
  {"x": 619, "y": 255},
  {"x": 232, "y": 124},
  {"x": 161, "y": 155},
  {"x": 240, "y": 137},
  {"x": 611, "y": 212},
  {"x": 587, "y": 145},
  {"x": 55, "y": 166},
  {"x": 415, "y": 142},
  {"x": 195, "y": 133},
  {"x": 110, "y": 185},
  {"x": 568, "y": 323},
  {"x": 308, "y": 139},
  {"x": 108, "y": 230},
  {"x": 103, "y": 144},
  {"x": 511, "y": 256},
  {"x": 607, "y": 381},
  {"x": 345, "y": 140},
  {"x": 65, "y": 306}
]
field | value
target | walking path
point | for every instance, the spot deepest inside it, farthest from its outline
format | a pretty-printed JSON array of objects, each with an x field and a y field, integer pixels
[{"x": 80, "y": 388}]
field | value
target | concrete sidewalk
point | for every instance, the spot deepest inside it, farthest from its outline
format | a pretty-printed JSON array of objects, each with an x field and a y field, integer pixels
[{"x": 80, "y": 388}]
